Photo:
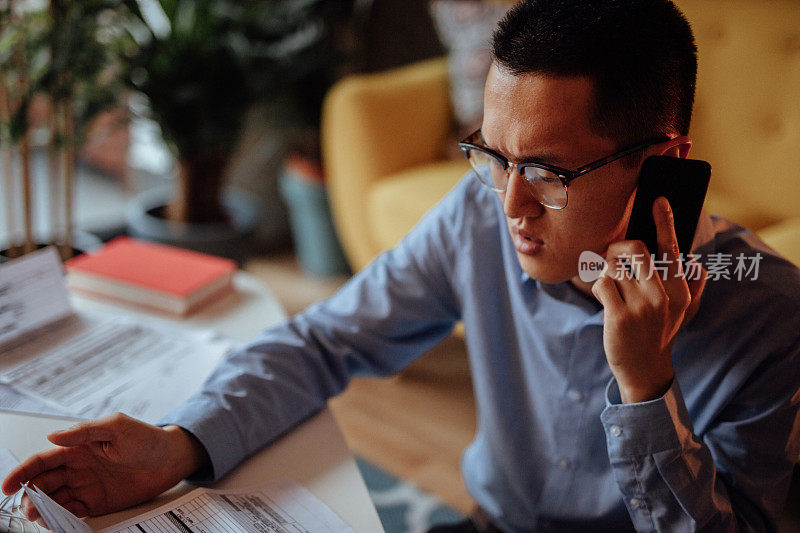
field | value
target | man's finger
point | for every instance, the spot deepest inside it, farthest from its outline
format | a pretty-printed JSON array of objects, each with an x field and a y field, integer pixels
[
  {"x": 66, "y": 498},
  {"x": 82, "y": 433},
  {"x": 77, "y": 507},
  {"x": 32, "y": 467},
  {"x": 28, "y": 509},
  {"x": 668, "y": 249},
  {"x": 61, "y": 495},
  {"x": 630, "y": 265},
  {"x": 605, "y": 289},
  {"x": 638, "y": 263},
  {"x": 50, "y": 480}
]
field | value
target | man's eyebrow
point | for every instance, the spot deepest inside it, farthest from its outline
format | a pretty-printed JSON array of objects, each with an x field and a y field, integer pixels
[{"x": 547, "y": 158}]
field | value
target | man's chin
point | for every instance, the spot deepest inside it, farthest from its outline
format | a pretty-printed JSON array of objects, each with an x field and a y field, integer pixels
[{"x": 541, "y": 270}]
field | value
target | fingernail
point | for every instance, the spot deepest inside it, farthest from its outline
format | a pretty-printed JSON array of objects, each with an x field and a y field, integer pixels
[{"x": 665, "y": 207}]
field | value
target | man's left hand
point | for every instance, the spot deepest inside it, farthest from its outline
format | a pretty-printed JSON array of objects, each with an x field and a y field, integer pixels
[{"x": 644, "y": 309}]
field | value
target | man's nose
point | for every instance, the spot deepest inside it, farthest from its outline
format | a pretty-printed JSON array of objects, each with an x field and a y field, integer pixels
[{"x": 518, "y": 200}]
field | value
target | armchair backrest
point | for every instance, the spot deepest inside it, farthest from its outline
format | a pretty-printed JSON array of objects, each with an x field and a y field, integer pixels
[{"x": 747, "y": 108}]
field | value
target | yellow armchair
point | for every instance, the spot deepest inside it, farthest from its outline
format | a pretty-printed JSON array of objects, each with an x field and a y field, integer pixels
[
  {"x": 382, "y": 136},
  {"x": 383, "y": 133}
]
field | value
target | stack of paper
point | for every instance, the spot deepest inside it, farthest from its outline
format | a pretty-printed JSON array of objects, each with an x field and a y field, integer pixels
[
  {"x": 279, "y": 506},
  {"x": 89, "y": 366},
  {"x": 58, "y": 362}
]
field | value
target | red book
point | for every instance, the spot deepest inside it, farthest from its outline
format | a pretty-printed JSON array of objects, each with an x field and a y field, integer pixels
[{"x": 154, "y": 275}]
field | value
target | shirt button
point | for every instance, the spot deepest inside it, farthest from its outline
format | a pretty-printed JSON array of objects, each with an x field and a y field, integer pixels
[
  {"x": 635, "y": 503},
  {"x": 616, "y": 430},
  {"x": 564, "y": 464},
  {"x": 575, "y": 395}
]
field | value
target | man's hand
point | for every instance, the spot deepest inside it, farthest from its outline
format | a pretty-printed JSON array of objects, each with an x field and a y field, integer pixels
[
  {"x": 108, "y": 464},
  {"x": 643, "y": 312}
]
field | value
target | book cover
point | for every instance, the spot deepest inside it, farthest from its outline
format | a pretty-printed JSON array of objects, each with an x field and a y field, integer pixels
[{"x": 155, "y": 275}]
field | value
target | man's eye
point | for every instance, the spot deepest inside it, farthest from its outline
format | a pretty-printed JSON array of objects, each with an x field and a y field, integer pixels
[{"x": 546, "y": 177}]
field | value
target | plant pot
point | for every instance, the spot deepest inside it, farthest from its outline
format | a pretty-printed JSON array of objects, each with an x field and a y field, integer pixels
[
  {"x": 146, "y": 220},
  {"x": 82, "y": 242}
]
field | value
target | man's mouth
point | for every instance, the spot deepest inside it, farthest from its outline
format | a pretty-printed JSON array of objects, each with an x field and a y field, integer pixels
[{"x": 525, "y": 243}]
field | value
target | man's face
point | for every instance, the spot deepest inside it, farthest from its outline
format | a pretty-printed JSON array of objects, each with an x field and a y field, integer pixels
[{"x": 531, "y": 116}]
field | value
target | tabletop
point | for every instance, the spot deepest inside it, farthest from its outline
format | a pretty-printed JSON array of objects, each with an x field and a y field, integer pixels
[
  {"x": 241, "y": 314},
  {"x": 314, "y": 454}
]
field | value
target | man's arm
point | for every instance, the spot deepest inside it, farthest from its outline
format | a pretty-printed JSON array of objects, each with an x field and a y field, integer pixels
[
  {"x": 736, "y": 476},
  {"x": 644, "y": 310},
  {"x": 398, "y": 307},
  {"x": 395, "y": 309}
]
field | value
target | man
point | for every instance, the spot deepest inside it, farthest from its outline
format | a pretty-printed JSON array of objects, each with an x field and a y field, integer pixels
[{"x": 638, "y": 401}]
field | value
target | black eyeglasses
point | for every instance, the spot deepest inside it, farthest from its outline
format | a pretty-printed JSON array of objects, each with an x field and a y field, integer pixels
[{"x": 547, "y": 183}]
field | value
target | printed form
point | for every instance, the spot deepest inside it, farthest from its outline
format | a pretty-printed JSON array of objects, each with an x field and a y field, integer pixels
[
  {"x": 32, "y": 294},
  {"x": 281, "y": 506},
  {"x": 56, "y": 361}
]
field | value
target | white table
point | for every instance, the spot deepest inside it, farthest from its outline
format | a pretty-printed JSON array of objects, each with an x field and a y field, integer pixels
[
  {"x": 241, "y": 314},
  {"x": 314, "y": 454}
]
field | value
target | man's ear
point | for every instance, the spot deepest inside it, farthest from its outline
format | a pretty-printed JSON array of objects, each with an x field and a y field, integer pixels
[{"x": 677, "y": 147}]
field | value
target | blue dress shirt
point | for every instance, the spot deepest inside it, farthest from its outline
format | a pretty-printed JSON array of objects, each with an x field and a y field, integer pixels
[{"x": 555, "y": 448}]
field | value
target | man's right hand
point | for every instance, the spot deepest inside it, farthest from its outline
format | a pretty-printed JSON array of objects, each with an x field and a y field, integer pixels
[{"x": 108, "y": 464}]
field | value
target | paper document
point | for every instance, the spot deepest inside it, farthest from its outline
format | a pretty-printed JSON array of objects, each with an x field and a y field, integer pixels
[
  {"x": 56, "y": 517},
  {"x": 89, "y": 366},
  {"x": 57, "y": 362},
  {"x": 7, "y": 462},
  {"x": 13, "y": 400},
  {"x": 10, "y": 504},
  {"x": 280, "y": 506},
  {"x": 32, "y": 293}
]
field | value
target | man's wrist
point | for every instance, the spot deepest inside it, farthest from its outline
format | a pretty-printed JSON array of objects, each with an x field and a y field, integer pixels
[
  {"x": 189, "y": 454},
  {"x": 638, "y": 393}
]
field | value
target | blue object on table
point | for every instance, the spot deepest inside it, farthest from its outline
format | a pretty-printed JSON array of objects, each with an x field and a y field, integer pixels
[{"x": 315, "y": 240}]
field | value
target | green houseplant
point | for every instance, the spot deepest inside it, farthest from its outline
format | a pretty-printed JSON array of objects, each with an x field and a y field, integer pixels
[
  {"x": 203, "y": 64},
  {"x": 57, "y": 69}
]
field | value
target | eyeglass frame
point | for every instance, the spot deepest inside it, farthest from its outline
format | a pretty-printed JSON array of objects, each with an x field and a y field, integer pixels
[{"x": 564, "y": 175}]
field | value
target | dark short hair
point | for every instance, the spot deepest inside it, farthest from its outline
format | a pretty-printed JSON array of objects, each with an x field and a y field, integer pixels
[{"x": 641, "y": 55}]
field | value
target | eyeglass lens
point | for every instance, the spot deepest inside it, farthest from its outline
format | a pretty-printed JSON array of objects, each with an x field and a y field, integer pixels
[{"x": 544, "y": 185}]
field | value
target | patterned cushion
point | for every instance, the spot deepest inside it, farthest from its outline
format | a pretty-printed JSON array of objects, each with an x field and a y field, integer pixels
[{"x": 465, "y": 28}]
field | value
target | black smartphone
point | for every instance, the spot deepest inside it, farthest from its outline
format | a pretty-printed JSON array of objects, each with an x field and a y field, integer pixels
[{"x": 684, "y": 183}]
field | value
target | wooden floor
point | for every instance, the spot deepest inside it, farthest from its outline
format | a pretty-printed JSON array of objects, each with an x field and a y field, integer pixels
[{"x": 415, "y": 425}]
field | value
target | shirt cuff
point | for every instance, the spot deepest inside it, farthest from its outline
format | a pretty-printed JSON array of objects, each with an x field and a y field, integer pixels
[
  {"x": 197, "y": 416},
  {"x": 648, "y": 427}
]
